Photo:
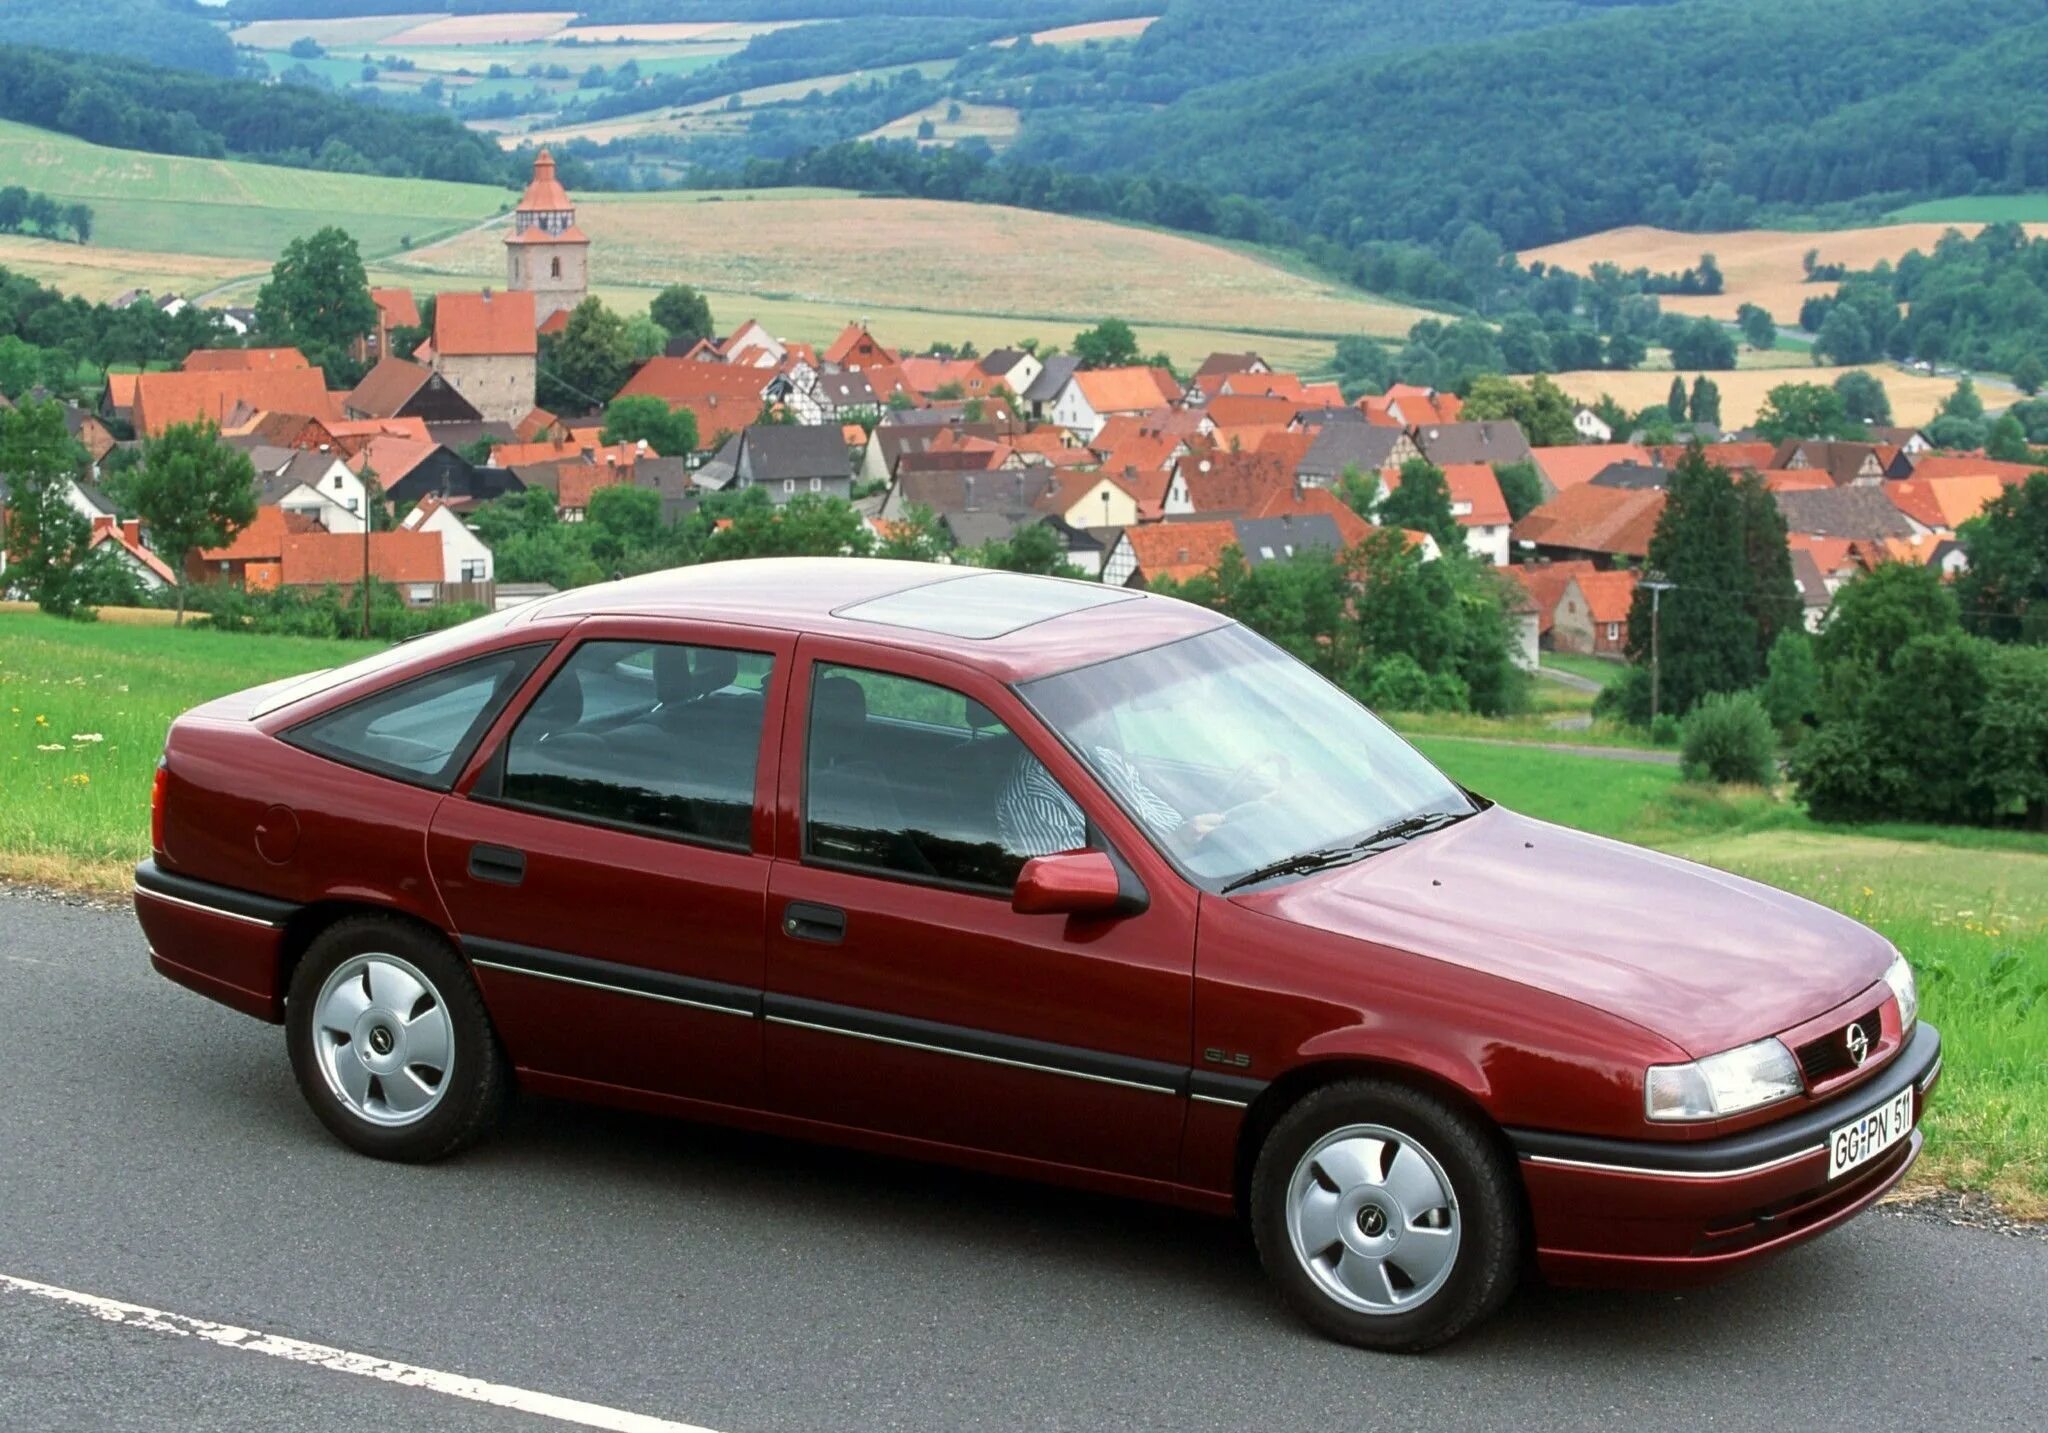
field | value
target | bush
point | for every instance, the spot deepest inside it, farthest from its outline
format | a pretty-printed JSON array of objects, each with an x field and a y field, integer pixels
[
  {"x": 1665, "y": 730},
  {"x": 1398, "y": 684},
  {"x": 1791, "y": 689},
  {"x": 1728, "y": 739}
]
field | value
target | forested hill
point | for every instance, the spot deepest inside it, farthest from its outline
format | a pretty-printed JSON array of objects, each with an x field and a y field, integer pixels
[
  {"x": 161, "y": 31},
  {"x": 1688, "y": 113}
]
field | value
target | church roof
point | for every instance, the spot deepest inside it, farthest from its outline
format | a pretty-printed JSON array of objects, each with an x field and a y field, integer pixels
[{"x": 545, "y": 194}]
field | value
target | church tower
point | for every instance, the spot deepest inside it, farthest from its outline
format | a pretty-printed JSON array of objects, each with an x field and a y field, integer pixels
[{"x": 546, "y": 255}]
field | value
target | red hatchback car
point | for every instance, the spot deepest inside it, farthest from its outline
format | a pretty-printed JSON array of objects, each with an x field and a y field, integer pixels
[{"x": 1047, "y": 878}]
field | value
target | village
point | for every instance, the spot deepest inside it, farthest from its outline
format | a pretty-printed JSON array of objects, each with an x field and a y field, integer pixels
[{"x": 1136, "y": 476}]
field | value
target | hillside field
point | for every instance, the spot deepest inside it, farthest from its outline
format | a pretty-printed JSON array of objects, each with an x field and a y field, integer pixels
[
  {"x": 1763, "y": 266},
  {"x": 1915, "y": 396}
]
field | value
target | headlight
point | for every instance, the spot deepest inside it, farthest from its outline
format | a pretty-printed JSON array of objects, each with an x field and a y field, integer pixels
[
  {"x": 1724, "y": 1084},
  {"x": 1899, "y": 976}
]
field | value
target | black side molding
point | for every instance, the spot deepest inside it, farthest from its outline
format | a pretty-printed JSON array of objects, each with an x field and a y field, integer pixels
[
  {"x": 979, "y": 1044},
  {"x": 1796, "y": 1134},
  {"x": 225, "y": 900},
  {"x": 608, "y": 975}
]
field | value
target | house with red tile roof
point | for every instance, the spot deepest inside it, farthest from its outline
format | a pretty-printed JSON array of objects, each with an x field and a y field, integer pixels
[
  {"x": 1545, "y": 582},
  {"x": 1941, "y": 505},
  {"x": 162, "y": 399},
  {"x": 1972, "y": 465},
  {"x": 396, "y": 308},
  {"x": 1607, "y": 526},
  {"x": 1571, "y": 464},
  {"x": 1093, "y": 396},
  {"x": 123, "y": 536},
  {"x": 1592, "y": 615},
  {"x": 857, "y": 348},
  {"x": 1477, "y": 504},
  {"x": 722, "y": 398},
  {"x": 396, "y": 388},
  {"x": 1176, "y": 551},
  {"x": 486, "y": 349},
  {"x": 243, "y": 360}
]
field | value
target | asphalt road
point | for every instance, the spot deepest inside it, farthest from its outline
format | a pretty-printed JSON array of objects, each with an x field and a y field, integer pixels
[{"x": 153, "y": 1150}]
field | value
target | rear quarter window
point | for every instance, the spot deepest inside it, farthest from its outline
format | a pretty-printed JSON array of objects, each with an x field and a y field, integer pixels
[{"x": 420, "y": 731}]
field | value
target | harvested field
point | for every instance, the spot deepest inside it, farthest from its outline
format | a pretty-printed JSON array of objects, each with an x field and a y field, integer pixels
[
  {"x": 514, "y": 26},
  {"x": 1761, "y": 266},
  {"x": 927, "y": 255},
  {"x": 704, "y": 31},
  {"x": 348, "y": 30},
  {"x": 1128, "y": 29},
  {"x": 1915, "y": 396},
  {"x": 993, "y": 122},
  {"x": 95, "y": 273}
]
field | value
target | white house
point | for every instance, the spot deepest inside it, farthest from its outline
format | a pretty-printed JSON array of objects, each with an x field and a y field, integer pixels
[
  {"x": 1014, "y": 367},
  {"x": 1589, "y": 427},
  {"x": 124, "y": 540},
  {"x": 1092, "y": 397},
  {"x": 464, "y": 558},
  {"x": 316, "y": 485}
]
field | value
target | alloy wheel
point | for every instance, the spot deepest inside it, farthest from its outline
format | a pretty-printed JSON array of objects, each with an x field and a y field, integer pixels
[
  {"x": 382, "y": 1039},
  {"x": 1373, "y": 1219}
]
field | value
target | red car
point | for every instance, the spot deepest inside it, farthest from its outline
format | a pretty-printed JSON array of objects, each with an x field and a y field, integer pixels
[{"x": 1046, "y": 878}]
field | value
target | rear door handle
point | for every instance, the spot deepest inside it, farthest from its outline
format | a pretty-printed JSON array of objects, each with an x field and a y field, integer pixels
[
  {"x": 804, "y": 921},
  {"x": 500, "y": 865}
]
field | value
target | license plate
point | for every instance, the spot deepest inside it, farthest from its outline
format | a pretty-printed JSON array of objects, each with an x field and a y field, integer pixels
[{"x": 1864, "y": 1139}]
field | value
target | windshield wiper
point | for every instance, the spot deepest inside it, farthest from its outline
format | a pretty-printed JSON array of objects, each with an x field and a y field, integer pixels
[{"x": 1371, "y": 844}]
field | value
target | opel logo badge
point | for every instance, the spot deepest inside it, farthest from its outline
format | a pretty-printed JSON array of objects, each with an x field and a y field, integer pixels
[{"x": 1859, "y": 1045}]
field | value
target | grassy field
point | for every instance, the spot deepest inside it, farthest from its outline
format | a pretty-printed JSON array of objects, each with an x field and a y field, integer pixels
[
  {"x": 83, "y": 710},
  {"x": 154, "y": 204},
  {"x": 1763, "y": 266},
  {"x": 1978, "y": 209},
  {"x": 893, "y": 260},
  {"x": 1915, "y": 396},
  {"x": 993, "y": 122}
]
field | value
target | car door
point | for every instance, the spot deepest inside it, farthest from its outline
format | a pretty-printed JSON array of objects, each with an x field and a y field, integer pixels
[
  {"x": 904, "y": 994},
  {"x": 606, "y": 859}
]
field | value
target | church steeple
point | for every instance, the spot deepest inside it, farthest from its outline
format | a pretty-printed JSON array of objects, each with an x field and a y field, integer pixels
[{"x": 546, "y": 254}]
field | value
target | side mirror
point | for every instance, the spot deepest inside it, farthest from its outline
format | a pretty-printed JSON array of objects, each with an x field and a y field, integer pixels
[{"x": 1074, "y": 883}]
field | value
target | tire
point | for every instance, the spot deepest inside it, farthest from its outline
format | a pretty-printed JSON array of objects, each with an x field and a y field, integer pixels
[
  {"x": 1388, "y": 1218},
  {"x": 390, "y": 1042}
]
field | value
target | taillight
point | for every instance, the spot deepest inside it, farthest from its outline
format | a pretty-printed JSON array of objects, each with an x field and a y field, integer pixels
[{"x": 156, "y": 806}]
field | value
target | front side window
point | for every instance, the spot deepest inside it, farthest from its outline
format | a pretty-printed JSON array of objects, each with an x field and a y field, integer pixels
[
  {"x": 911, "y": 779},
  {"x": 651, "y": 736},
  {"x": 1233, "y": 755},
  {"x": 421, "y": 731}
]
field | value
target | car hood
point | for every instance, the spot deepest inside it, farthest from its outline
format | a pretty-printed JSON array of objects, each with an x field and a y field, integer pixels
[{"x": 1703, "y": 958}]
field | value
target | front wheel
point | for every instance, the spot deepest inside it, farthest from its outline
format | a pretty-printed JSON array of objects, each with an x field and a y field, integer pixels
[
  {"x": 390, "y": 1042},
  {"x": 1388, "y": 1218}
]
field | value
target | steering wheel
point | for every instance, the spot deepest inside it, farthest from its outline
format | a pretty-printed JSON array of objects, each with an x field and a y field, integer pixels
[{"x": 1256, "y": 782}]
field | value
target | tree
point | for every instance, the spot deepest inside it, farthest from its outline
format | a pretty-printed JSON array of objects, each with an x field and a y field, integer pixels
[
  {"x": 1791, "y": 689},
  {"x": 1674, "y": 401},
  {"x": 645, "y": 338},
  {"x": 1110, "y": 344},
  {"x": 1703, "y": 343},
  {"x": 21, "y": 365},
  {"x": 192, "y": 491},
  {"x": 2027, "y": 375},
  {"x": 46, "y": 538},
  {"x": 1863, "y": 397},
  {"x": 2007, "y": 440},
  {"x": 79, "y": 217},
  {"x": 1758, "y": 329},
  {"x": 1951, "y": 431},
  {"x": 2004, "y": 590},
  {"x": 683, "y": 313},
  {"x": 641, "y": 417},
  {"x": 1870, "y": 621},
  {"x": 1707, "y": 637},
  {"x": 1802, "y": 410},
  {"x": 1542, "y": 409},
  {"x": 1705, "y": 404},
  {"x": 318, "y": 299},
  {"x": 810, "y": 525},
  {"x": 1358, "y": 490},
  {"x": 1363, "y": 366},
  {"x": 1625, "y": 351},
  {"x": 1421, "y": 501},
  {"x": 1844, "y": 337},
  {"x": 1035, "y": 547},
  {"x": 1521, "y": 485},
  {"x": 584, "y": 365}
]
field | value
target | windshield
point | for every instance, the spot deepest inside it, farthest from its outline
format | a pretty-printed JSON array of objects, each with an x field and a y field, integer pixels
[{"x": 1234, "y": 756}]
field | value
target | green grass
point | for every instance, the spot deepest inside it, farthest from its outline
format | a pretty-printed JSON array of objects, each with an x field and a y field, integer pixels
[
  {"x": 1977, "y": 209},
  {"x": 1597, "y": 669},
  {"x": 232, "y": 208},
  {"x": 1970, "y": 908}
]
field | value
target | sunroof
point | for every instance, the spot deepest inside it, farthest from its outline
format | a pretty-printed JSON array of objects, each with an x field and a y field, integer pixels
[{"x": 988, "y": 604}]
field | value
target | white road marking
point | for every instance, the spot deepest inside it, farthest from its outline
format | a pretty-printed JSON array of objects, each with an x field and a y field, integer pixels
[{"x": 453, "y": 1385}]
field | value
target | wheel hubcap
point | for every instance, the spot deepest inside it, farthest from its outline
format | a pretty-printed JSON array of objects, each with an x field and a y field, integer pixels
[
  {"x": 382, "y": 1039},
  {"x": 1373, "y": 1220}
]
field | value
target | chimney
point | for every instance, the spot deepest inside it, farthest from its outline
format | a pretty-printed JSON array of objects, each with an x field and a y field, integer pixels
[
  {"x": 100, "y": 524},
  {"x": 487, "y": 293},
  {"x": 131, "y": 531}
]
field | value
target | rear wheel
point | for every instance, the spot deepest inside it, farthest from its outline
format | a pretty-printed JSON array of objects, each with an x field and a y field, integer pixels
[
  {"x": 1388, "y": 1218},
  {"x": 390, "y": 1042}
]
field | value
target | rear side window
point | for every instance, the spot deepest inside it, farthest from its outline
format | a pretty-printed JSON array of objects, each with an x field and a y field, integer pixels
[
  {"x": 421, "y": 731},
  {"x": 651, "y": 736}
]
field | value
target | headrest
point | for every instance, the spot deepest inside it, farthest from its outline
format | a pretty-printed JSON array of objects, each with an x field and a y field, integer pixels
[
  {"x": 839, "y": 702},
  {"x": 673, "y": 681},
  {"x": 713, "y": 669},
  {"x": 560, "y": 704},
  {"x": 979, "y": 717}
]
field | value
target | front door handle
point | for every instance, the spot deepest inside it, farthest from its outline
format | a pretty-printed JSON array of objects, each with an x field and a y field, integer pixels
[
  {"x": 803, "y": 921},
  {"x": 500, "y": 865}
]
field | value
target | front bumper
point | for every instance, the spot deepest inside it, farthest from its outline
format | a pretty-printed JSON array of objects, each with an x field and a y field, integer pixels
[{"x": 1652, "y": 1213}]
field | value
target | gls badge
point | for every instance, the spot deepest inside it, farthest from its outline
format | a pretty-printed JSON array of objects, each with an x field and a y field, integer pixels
[{"x": 1226, "y": 1057}]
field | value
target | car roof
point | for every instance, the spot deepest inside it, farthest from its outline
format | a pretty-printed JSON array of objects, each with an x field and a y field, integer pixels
[{"x": 1014, "y": 626}]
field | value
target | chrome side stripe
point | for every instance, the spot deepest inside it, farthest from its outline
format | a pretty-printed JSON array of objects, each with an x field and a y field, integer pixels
[
  {"x": 611, "y": 989},
  {"x": 142, "y": 890},
  {"x": 969, "y": 1055},
  {"x": 1562, "y": 1163}
]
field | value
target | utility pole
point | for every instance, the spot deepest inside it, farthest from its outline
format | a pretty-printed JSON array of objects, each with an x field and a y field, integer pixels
[
  {"x": 369, "y": 476},
  {"x": 1656, "y": 587}
]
